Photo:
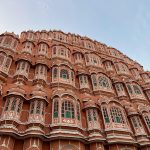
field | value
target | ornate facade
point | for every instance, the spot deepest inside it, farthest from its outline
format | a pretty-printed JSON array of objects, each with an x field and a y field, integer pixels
[{"x": 66, "y": 92}]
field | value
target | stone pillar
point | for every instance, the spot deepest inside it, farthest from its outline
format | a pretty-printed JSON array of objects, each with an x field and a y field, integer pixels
[
  {"x": 32, "y": 144},
  {"x": 96, "y": 146},
  {"x": 6, "y": 142}
]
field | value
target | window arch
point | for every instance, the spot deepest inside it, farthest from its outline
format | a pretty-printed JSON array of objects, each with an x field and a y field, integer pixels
[
  {"x": 134, "y": 90},
  {"x": 64, "y": 74},
  {"x": 13, "y": 104},
  {"x": 67, "y": 110},
  {"x": 61, "y": 51},
  {"x": 37, "y": 107},
  {"x": 103, "y": 82},
  {"x": 42, "y": 49},
  {"x": 23, "y": 67},
  {"x": 122, "y": 68},
  {"x": 116, "y": 115}
]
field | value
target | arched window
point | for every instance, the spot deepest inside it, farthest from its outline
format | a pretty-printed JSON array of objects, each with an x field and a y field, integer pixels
[
  {"x": 8, "y": 62},
  {"x": 55, "y": 109},
  {"x": 42, "y": 49},
  {"x": 67, "y": 110},
  {"x": 13, "y": 104},
  {"x": 147, "y": 120},
  {"x": 136, "y": 121},
  {"x": 103, "y": 82},
  {"x": 64, "y": 74},
  {"x": 120, "y": 89},
  {"x": 105, "y": 115},
  {"x": 134, "y": 90},
  {"x": 130, "y": 89},
  {"x": 116, "y": 115},
  {"x": 92, "y": 114},
  {"x": 7, "y": 104},
  {"x": 137, "y": 89},
  {"x": 94, "y": 80},
  {"x": 37, "y": 107}
]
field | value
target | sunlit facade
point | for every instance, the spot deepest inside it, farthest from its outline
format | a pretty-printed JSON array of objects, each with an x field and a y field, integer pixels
[{"x": 62, "y": 91}]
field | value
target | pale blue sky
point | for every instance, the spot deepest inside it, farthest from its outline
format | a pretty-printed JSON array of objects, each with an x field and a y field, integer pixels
[{"x": 123, "y": 24}]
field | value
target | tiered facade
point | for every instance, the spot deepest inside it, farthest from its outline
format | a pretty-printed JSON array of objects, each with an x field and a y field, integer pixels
[{"x": 66, "y": 92}]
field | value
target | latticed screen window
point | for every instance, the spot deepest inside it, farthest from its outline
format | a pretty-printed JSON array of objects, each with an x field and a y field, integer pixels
[
  {"x": 123, "y": 68},
  {"x": 78, "y": 111},
  {"x": 62, "y": 52},
  {"x": 94, "y": 80},
  {"x": 38, "y": 107},
  {"x": 130, "y": 89},
  {"x": 19, "y": 106},
  {"x": 56, "y": 109},
  {"x": 64, "y": 74},
  {"x": 89, "y": 115},
  {"x": 8, "y": 62},
  {"x": 147, "y": 119},
  {"x": 136, "y": 121},
  {"x": 67, "y": 110},
  {"x": 13, "y": 105},
  {"x": 32, "y": 108},
  {"x": 94, "y": 60},
  {"x": 116, "y": 115},
  {"x": 119, "y": 87},
  {"x": 105, "y": 114},
  {"x": 55, "y": 73},
  {"x": 103, "y": 82},
  {"x": 23, "y": 65},
  {"x": 94, "y": 115},
  {"x": 137, "y": 89},
  {"x": 7, "y": 104},
  {"x": 83, "y": 79}
]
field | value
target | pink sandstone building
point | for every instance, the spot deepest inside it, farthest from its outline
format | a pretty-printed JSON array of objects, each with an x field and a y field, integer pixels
[{"x": 62, "y": 91}]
